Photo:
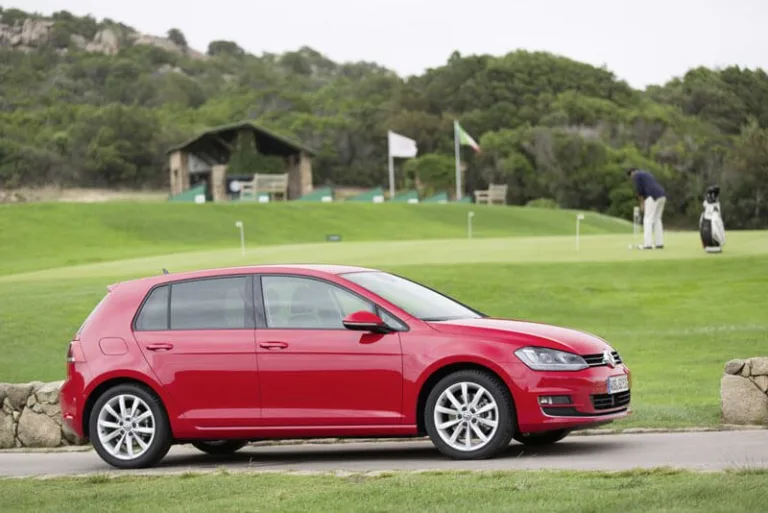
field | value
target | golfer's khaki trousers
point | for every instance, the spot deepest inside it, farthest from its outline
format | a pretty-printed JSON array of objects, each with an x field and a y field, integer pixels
[{"x": 652, "y": 225}]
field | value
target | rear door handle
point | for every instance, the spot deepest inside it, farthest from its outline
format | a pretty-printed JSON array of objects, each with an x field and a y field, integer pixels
[
  {"x": 273, "y": 345},
  {"x": 163, "y": 346}
]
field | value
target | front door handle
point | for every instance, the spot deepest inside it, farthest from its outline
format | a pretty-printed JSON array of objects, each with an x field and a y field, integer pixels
[
  {"x": 273, "y": 345},
  {"x": 164, "y": 346}
]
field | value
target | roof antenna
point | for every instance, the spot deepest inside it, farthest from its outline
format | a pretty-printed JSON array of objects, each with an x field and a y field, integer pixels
[{"x": 165, "y": 271}]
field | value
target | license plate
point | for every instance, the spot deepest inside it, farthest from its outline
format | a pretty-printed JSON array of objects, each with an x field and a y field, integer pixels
[{"x": 618, "y": 384}]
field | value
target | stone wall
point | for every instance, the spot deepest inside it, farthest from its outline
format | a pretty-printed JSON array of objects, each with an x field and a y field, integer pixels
[
  {"x": 30, "y": 416},
  {"x": 744, "y": 392}
]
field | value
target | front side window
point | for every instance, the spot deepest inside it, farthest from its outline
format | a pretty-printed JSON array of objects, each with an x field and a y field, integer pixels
[
  {"x": 419, "y": 301},
  {"x": 210, "y": 304},
  {"x": 296, "y": 302}
]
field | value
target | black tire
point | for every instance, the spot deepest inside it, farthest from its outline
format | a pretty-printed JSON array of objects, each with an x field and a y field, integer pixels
[
  {"x": 543, "y": 438},
  {"x": 507, "y": 422},
  {"x": 219, "y": 447},
  {"x": 159, "y": 444}
]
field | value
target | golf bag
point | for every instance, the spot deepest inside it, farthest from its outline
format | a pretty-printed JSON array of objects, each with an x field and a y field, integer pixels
[{"x": 711, "y": 226}]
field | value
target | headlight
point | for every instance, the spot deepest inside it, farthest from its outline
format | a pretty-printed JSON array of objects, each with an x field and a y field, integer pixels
[{"x": 543, "y": 359}]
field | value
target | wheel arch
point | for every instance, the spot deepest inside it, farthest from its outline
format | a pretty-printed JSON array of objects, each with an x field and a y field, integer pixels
[
  {"x": 435, "y": 375},
  {"x": 108, "y": 383}
]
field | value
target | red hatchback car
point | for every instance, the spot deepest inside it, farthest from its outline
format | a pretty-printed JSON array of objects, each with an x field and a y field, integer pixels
[{"x": 218, "y": 358}]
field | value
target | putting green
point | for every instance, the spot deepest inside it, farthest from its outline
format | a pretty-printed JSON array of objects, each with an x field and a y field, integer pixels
[{"x": 592, "y": 248}]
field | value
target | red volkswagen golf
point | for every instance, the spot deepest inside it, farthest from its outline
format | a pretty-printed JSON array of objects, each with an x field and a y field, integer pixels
[{"x": 218, "y": 358}]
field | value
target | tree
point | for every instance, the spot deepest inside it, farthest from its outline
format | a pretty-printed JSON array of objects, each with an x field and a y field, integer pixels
[
  {"x": 225, "y": 48},
  {"x": 177, "y": 37}
]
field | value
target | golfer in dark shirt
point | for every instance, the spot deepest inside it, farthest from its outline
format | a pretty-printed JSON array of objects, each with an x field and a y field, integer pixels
[{"x": 652, "y": 199}]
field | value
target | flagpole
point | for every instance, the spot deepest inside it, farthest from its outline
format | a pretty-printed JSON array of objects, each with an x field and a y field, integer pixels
[
  {"x": 458, "y": 158},
  {"x": 391, "y": 173}
]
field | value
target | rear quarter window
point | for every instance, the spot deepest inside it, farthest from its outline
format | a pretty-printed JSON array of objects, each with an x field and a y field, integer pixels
[{"x": 153, "y": 315}]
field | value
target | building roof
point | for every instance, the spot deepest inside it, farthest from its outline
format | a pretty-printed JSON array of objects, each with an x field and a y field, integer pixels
[{"x": 218, "y": 142}]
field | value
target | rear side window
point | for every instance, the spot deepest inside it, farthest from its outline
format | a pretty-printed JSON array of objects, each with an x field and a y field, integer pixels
[
  {"x": 214, "y": 303},
  {"x": 154, "y": 313}
]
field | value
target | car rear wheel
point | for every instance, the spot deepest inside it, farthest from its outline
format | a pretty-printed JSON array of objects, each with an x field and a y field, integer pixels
[
  {"x": 219, "y": 447},
  {"x": 544, "y": 438},
  {"x": 470, "y": 415},
  {"x": 129, "y": 428}
]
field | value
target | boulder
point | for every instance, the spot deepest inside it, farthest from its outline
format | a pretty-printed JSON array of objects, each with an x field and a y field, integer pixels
[
  {"x": 7, "y": 436},
  {"x": 49, "y": 392},
  {"x": 35, "y": 33},
  {"x": 758, "y": 366},
  {"x": 38, "y": 430},
  {"x": 79, "y": 41},
  {"x": 743, "y": 402},
  {"x": 18, "y": 394},
  {"x": 734, "y": 367},
  {"x": 761, "y": 382}
]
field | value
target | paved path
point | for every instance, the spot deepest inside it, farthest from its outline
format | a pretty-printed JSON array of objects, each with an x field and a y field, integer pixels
[{"x": 706, "y": 451}]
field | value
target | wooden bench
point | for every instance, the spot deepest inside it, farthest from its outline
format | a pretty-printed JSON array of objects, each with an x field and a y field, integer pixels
[
  {"x": 494, "y": 194},
  {"x": 265, "y": 183}
]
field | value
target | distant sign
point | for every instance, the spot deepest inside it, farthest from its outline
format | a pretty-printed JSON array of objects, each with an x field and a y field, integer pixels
[{"x": 333, "y": 238}]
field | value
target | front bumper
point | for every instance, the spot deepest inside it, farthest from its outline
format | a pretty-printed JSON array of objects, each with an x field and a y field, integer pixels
[{"x": 582, "y": 399}]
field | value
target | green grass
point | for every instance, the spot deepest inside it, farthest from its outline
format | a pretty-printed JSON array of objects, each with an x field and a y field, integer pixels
[
  {"x": 47, "y": 235},
  {"x": 551, "y": 492},
  {"x": 676, "y": 315}
]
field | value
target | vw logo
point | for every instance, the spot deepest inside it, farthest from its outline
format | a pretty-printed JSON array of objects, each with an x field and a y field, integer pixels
[{"x": 608, "y": 359}]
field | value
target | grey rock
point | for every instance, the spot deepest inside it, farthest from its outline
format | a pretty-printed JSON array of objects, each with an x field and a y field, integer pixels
[
  {"x": 746, "y": 371},
  {"x": 49, "y": 393},
  {"x": 38, "y": 430},
  {"x": 758, "y": 366},
  {"x": 761, "y": 382},
  {"x": 18, "y": 394},
  {"x": 742, "y": 402},
  {"x": 35, "y": 32},
  {"x": 79, "y": 41},
  {"x": 734, "y": 367},
  {"x": 7, "y": 438}
]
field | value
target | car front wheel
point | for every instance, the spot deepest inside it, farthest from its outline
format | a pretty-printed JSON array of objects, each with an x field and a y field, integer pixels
[
  {"x": 129, "y": 428},
  {"x": 470, "y": 415},
  {"x": 544, "y": 438},
  {"x": 219, "y": 447}
]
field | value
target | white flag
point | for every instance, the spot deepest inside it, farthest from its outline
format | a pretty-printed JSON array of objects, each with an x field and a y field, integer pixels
[{"x": 401, "y": 146}]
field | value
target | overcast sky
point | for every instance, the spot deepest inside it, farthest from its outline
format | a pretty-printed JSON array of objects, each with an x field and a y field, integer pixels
[{"x": 641, "y": 41}]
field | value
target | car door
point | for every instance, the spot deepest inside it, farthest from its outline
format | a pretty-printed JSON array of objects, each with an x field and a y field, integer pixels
[
  {"x": 315, "y": 372},
  {"x": 198, "y": 337}
]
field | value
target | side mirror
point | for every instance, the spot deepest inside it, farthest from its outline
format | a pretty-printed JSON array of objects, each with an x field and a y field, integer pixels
[{"x": 365, "y": 321}]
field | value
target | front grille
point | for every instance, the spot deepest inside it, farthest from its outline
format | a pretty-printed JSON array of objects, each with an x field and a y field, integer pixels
[
  {"x": 608, "y": 401},
  {"x": 596, "y": 360}
]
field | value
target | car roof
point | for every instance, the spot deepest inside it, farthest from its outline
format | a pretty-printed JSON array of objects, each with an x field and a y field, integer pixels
[{"x": 306, "y": 269}]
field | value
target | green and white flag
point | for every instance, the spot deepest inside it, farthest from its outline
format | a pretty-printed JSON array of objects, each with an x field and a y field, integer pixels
[
  {"x": 464, "y": 138},
  {"x": 461, "y": 138}
]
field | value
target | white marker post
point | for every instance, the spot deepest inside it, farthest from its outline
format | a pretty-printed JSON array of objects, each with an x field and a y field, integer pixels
[
  {"x": 239, "y": 224},
  {"x": 579, "y": 219},
  {"x": 470, "y": 215}
]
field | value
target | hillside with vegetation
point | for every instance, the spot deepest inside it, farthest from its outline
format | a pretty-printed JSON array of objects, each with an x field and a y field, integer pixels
[{"x": 91, "y": 103}]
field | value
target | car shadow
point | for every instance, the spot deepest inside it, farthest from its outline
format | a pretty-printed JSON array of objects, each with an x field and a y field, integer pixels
[{"x": 352, "y": 454}]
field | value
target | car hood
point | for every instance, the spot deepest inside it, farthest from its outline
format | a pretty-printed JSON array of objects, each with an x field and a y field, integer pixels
[{"x": 526, "y": 333}]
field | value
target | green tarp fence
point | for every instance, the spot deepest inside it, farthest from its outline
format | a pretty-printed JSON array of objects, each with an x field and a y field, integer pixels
[
  {"x": 372, "y": 196},
  {"x": 324, "y": 194},
  {"x": 407, "y": 197}
]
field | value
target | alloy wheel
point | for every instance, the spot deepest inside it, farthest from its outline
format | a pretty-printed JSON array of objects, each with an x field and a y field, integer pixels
[
  {"x": 126, "y": 426},
  {"x": 466, "y": 416}
]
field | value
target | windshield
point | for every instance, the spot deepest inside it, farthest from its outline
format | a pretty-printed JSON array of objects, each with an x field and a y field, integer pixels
[{"x": 417, "y": 300}]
